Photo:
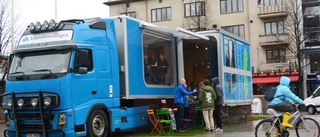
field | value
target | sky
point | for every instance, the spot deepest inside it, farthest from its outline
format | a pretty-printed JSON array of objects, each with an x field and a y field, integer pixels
[
  {"x": 27, "y": 11},
  {"x": 40, "y": 10}
]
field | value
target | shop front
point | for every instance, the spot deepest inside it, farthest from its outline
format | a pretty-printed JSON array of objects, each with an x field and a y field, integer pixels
[{"x": 262, "y": 81}]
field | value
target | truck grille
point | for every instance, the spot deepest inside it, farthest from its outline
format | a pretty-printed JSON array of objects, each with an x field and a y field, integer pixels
[{"x": 33, "y": 127}]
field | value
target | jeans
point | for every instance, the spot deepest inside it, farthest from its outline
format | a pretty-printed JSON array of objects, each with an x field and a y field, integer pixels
[
  {"x": 179, "y": 115},
  {"x": 217, "y": 116}
]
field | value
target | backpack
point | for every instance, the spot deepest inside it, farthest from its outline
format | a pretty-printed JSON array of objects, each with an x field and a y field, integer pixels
[{"x": 269, "y": 94}]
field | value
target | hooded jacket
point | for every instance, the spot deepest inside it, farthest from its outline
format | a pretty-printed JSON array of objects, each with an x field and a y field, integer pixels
[
  {"x": 207, "y": 96},
  {"x": 218, "y": 90},
  {"x": 284, "y": 94}
]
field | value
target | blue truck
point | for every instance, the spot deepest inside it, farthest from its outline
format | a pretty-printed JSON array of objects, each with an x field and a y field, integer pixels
[{"x": 80, "y": 77}]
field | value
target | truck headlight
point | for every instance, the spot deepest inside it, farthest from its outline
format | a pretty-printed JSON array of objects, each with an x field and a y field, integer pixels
[
  {"x": 34, "y": 102},
  {"x": 62, "y": 122},
  {"x": 47, "y": 101},
  {"x": 20, "y": 102},
  {"x": 9, "y": 103}
]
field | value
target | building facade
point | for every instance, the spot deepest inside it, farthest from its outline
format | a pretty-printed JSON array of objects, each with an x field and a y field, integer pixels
[
  {"x": 311, "y": 11},
  {"x": 260, "y": 22}
]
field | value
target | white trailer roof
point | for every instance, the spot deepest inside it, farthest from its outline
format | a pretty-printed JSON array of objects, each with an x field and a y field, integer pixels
[{"x": 176, "y": 32}]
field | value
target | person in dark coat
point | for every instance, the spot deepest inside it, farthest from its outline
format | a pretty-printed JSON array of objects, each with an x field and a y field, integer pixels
[{"x": 218, "y": 103}]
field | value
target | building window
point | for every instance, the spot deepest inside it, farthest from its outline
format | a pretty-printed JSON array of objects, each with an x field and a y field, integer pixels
[
  {"x": 161, "y": 14},
  {"x": 230, "y": 6},
  {"x": 314, "y": 63},
  {"x": 236, "y": 30},
  {"x": 194, "y": 9},
  {"x": 158, "y": 59},
  {"x": 276, "y": 56},
  {"x": 130, "y": 14},
  {"x": 272, "y": 2},
  {"x": 274, "y": 27}
]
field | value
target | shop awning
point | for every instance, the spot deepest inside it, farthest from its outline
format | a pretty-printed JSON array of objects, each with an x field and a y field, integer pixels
[{"x": 272, "y": 80}]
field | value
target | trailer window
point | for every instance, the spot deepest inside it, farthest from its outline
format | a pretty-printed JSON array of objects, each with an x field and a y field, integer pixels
[{"x": 158, "y": 59}]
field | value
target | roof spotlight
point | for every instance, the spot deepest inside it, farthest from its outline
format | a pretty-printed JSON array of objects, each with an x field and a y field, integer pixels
[
  {"x": 31, "y": 26},
  {"x": 45, "y": 25},
  {"x": 52, "y": 24},
  {"x": 38, "y": 26}
]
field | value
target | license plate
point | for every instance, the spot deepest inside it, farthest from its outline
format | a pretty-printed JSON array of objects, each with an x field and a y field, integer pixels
[{"x": 33, "y": 135}]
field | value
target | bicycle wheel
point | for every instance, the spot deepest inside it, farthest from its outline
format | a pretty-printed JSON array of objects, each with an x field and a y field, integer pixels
[
  {"x": 307, "y": 128},
  {"x": 266, "y": 128}
]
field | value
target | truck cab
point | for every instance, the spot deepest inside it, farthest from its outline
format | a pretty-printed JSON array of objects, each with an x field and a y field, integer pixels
[{"x": 63, "y": 80}]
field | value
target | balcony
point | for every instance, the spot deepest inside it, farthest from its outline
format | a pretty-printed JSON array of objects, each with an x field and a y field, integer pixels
[
  {"x": 271, "y": 11},
  {"x": 308, "y": 3},
  {"x": 271, "y": 40}
]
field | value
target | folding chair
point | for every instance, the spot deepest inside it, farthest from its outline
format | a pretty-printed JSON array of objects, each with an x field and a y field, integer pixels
[
  {"x": 164, "y": 120},
  {"x": 154, "y": 121},
  {"x": 198, "y": 118},
  {"x": 187, "y": 121}
]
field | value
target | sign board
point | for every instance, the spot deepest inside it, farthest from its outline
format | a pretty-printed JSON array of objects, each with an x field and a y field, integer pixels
[
  {"x": 256, "y": 106},
  {"x": 318, "y": 77}
]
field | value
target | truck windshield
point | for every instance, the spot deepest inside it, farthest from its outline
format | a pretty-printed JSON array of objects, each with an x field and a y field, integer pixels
[{"x": 39, "y": 64}]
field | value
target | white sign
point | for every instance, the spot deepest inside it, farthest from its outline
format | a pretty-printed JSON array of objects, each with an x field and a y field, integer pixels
[
  {"x": 256, "y": 106},
  {"x": 46, "y": 37}
]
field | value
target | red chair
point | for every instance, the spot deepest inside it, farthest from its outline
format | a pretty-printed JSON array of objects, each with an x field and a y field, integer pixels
[
  {"x": 187, "y": 121},
  {"x": 154, "y": 121}
]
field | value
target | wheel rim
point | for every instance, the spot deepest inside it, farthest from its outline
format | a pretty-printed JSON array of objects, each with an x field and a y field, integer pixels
[
  {"x": 98, "y": 125},
  {"x": 310, "y": 110}
]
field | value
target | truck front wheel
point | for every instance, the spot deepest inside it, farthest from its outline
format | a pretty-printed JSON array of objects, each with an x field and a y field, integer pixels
[{"x": 97, "y": 124}]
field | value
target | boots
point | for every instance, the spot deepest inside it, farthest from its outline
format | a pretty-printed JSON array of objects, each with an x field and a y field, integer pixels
[{"x": 285, "y": 120}]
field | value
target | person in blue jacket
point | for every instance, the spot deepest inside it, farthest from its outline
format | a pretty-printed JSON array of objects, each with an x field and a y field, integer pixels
[
  {"x": 283, "y": 100},
  {"x": 179, "y": 103}
]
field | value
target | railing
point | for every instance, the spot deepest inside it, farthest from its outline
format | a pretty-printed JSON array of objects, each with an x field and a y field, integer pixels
[
  {"x": 271, "y": 11},
  {"x": 274, "y": 39}
]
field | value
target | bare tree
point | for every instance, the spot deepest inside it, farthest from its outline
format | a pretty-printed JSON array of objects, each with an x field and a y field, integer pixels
[
  {"x": 198, "y": 15},
  {"x": 6, "y": 34},
  {"x": 297, "y": 36},
  {"x": 6, "y": 29}
]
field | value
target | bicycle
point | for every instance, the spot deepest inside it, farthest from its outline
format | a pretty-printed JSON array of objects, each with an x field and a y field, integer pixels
[{"x": 304, "y": 126}]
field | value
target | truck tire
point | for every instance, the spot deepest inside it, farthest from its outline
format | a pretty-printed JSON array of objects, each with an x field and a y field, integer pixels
[{"x": 97, "y": 124}]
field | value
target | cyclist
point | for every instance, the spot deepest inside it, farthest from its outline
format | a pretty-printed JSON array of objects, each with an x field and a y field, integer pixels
[{"x": 283, "y": 100}]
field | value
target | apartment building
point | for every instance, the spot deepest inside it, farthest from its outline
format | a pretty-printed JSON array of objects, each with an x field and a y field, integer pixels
[
  {"x": 311, "y": 10},
  {"x": 260, "y": 22}
]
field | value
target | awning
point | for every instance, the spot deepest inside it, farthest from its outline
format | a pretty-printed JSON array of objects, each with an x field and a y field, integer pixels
[
  {"x": 176, "y": 32},
  {"x": 272, "y": 80}
]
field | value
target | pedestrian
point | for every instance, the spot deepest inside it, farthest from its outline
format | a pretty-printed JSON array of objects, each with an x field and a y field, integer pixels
[
  {"x": 283, "y": 100},
  {"x": 207, "y": 96},
  {"x": 218, "y": 104},
  {"x": 179, "y": 103}
]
